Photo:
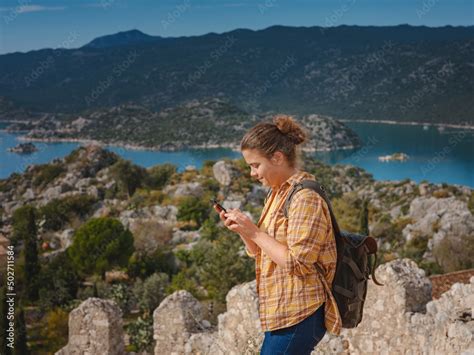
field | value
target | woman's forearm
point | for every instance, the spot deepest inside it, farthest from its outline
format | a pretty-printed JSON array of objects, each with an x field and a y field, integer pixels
[
  {"x": 273, "y": 248},
  {"x": 251, "y": 246}
]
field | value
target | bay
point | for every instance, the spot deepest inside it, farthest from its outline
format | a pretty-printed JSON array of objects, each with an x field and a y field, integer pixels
[{"x": 439, "y": 156}]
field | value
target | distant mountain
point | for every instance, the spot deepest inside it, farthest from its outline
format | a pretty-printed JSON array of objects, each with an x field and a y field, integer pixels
[
  {"x": 349, "y": 72},
  {"x": 122, "y": 39}
]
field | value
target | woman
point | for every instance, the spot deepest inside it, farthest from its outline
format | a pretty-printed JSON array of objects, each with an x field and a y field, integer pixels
[{"x": 296, "y": 306}]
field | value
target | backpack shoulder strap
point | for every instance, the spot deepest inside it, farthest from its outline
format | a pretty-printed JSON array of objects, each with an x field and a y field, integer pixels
[
  {"x": 319, "y": 189},
  {"x": 269, "y": 193}
]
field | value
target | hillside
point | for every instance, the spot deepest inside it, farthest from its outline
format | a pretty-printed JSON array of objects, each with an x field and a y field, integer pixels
[
  {"x": 400, "y": 73},
  {"x": 95, "y": 225},
  {"x": 208, "y": 123}
]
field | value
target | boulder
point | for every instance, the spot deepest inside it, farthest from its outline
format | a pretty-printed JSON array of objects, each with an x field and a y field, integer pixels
[
  {"x": 224, "y": 172},
  {"x": 95, "y": 327}
]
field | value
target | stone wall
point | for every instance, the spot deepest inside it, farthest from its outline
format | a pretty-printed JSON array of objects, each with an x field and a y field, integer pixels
[
  {"x": 95, "y": 327},
  {"x": 399, "y": 318}
]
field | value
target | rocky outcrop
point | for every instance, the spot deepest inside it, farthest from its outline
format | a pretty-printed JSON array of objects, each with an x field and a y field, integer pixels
[
  {"x": 224, "y": 172},
  {"x": 95, "y": 327},
  {"x": 185, "y": 189},
  {"x": 165, "y": 215},
  {"x": 329, "y": 134},
  {"x": 439, "y": 218},
  {"x": 174, "y": 321}
]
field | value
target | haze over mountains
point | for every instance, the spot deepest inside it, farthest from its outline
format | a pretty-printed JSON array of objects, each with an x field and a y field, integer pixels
[{"x": 402, "y": 73}]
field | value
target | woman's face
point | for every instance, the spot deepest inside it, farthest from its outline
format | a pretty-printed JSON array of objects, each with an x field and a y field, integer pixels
[{"x": 267, "y": 171}]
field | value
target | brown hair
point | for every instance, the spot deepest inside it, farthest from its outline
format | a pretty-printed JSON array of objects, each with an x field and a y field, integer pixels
[{"x": 283, "y": 134}]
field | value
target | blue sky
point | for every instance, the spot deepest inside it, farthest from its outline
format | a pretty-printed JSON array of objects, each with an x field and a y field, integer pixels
[{"x": 27, "y": 24}]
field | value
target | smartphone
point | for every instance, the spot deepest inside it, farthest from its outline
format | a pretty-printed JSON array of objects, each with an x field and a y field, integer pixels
[{"x": 220, "y": 208}]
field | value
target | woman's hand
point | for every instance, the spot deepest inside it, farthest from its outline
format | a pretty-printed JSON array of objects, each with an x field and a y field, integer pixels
[{"x": 240, "y": 223}]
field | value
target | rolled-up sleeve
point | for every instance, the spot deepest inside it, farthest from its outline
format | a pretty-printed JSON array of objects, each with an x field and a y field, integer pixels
[
  {"x": 308, "y": 228},
  {"x": 249, "y": 253}
]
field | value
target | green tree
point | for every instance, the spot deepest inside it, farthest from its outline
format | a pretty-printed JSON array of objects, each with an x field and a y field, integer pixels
[
  {"x": 129, "y": 176},
  {"x": 364, "y": 218},
  {"x": 59, "y": 282},
  {"x": 24, "y": 229},
  {"x": 220, "y": 264},
  {"x": 100, "y": 244}
]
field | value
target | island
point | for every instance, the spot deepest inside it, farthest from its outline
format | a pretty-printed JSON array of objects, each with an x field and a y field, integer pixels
[
  {"x": 23, "y": 148},
  {"x": 195, "y": 124},
  {"x": 395, "y": 156}
]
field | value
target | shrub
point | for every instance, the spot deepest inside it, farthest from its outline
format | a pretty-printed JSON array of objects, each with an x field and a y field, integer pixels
[
  {"x": 189, "y": 176},
  {"x": 145, "y": 264},
  {"x": 206, "y": 169},
  {"x": 346, "y": 212},
  {"x": 220, "y": 264},
  {"x": 100, "y": 244},
  {"x": 151, "y": 292},
  {"x": 47, "y": 173},
  {"x": 186, "y": 280},
  {"x": 415, "y": 248},
  {"x": 470, "y": 203},
  {"x": 150, "y": 234},
  {"x": 211, "y": 184},
  {"x": 58, "y": 212},
  {"x": 454, "y": 254},
  {"x": 141, "y": 334},
  {"x": 210, "y": 230},
  {"x": 129, "y": 176},
  {"x": 191, "y": 208},
  {"x": 442, "y": 193},
  {"x": 122, "y": 294},
  {"x": 160, "y": 175},
  {"x": 54, "y": 329},
  {"x": 144, "y": 198}
]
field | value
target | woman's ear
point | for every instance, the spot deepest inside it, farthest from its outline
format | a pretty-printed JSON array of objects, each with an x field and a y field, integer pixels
[{"x": 277, "y": 158}]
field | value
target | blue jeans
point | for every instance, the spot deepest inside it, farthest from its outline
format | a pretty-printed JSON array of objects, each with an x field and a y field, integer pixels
[{"x": 298, "y": 339}]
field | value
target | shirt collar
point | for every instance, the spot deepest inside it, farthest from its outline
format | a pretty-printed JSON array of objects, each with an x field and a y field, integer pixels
[{"x": 293, "y": 179}]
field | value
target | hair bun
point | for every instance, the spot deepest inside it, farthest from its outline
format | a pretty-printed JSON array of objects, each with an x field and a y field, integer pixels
[{"x": 288, "y": 126}]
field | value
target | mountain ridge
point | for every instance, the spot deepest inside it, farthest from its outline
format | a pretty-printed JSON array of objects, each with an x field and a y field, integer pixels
[{"x": 402, "y": 73}]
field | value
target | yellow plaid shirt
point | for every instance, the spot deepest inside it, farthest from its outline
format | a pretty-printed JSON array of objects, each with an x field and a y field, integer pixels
[{"x": 289, "y": 294}]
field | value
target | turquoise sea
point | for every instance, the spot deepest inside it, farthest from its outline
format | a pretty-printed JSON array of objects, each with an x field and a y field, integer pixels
[{"x": 434, "y": 155}]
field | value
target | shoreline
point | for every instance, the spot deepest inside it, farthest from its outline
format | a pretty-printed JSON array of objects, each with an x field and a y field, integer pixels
[
  {"x": 413, "y": 123},
  {"x": 84, "y": 141},
  {"x": 232, "y": 147}
]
